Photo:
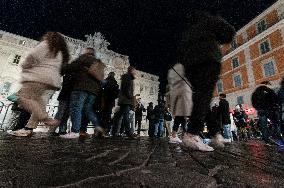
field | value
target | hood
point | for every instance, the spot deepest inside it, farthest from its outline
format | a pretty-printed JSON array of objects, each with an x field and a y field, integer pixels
[{"x": 173, "y": 77}]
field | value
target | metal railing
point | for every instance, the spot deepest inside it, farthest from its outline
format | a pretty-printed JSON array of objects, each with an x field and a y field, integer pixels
[{"x": 6, "y": 114}]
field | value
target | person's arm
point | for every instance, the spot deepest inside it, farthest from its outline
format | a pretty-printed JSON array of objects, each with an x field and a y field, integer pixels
[{"x": 36, "y": 55}]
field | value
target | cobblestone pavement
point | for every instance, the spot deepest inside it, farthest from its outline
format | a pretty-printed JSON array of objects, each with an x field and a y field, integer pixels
[{"x": 45, "y": 161}]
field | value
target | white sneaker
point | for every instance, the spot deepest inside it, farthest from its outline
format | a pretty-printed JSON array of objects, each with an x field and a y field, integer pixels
[
  {"x": 70, "y": 135},
  {"x": 195, "y": 142},
  {"x": 175, "y": 140},
  {"x": 219, "y": 141},
  {"x": 21, "y": 132}
]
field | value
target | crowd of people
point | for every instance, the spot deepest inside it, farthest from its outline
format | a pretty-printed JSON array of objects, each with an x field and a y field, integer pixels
[{"x": 85, "y": 95}]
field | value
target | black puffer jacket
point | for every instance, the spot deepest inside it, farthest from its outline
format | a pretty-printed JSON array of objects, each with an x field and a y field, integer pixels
[
  {"x": 126, "y": 95},
  {"x": 224, "y": 112},
  {"x": 264, "y": 98},
  {"x": 199, "y": 49},
  {"x": 82, "y": 80}
]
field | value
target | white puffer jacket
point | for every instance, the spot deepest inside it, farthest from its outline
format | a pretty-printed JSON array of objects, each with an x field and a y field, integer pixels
[
  {"x": 39, "y": 66},
  {"x": 180, "y": 92}
]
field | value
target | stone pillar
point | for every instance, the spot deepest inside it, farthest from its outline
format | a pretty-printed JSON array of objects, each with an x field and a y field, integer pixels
[{"x": 249, "y": 66}]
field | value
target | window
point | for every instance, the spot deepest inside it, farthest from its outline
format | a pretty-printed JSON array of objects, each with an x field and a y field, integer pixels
[
  {"x": 219, "y": 86},
  {"x": 22, "y": 42},
  {"x": 6, "y": 87},
  {"x": 235, "y": 62},
  {"x": 240, "y": 100},
  {"x": 151, "y": 91},
  {"x": 269, "y": 69},
  {"x": 264, "y": 47},
  {"x": 261, "y": 26},
  {"x": 234, "y": 44},
  {"x": 16, "y": 59},
  {"x": 237, "y": 80}
]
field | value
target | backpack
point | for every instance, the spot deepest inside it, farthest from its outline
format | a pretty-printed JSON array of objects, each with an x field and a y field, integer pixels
[{"x": 168, "y": 116}]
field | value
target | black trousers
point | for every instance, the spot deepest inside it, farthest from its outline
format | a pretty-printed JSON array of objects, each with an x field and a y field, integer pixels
[
  {"x": 23, "y": 120},
  {"x": 179, "y": 120},
  {"x": 138, "y": 121},
  {"x": 203, "y": 77}
]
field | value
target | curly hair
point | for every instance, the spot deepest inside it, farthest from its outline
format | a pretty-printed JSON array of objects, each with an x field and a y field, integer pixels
[{"x": 56, "y": 43}]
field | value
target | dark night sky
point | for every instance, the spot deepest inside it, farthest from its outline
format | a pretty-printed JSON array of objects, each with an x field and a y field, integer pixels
[{"x": 143, "y": 29}]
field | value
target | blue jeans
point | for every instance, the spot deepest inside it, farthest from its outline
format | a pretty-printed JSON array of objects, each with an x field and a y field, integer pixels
[
  {"x": 125, "y": 112},
  {"x": 159, "y": 128},
  {"x": 82, "y": 102},
  {"x": 227, "y": 131},
  {"x": 63, "y": 115}
]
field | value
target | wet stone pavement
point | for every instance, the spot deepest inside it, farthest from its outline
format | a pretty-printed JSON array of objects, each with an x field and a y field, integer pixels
[{"x": 45, "y": 161}]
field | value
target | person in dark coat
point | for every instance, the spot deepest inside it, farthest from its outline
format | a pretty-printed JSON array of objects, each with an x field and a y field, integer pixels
[
  {"x": 213, "y": 121},
  {"x": 159, "y": 117},
  {"x": 126, "y": 98},
  {"x": 109, "y": 94},
  {"x": 224, "y": 111},
  {"x": 150, "y": 118},
  {"x": 199, "y": 52},
  {"x": 86, "y": 88},
  {"x": 139, "y": 109},
  {"x": 265, "y": 101},
  {"x": 68, "y": 71}
]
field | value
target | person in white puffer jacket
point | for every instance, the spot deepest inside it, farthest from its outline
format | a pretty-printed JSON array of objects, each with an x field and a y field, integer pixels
[{"x": 41, "y": 72}]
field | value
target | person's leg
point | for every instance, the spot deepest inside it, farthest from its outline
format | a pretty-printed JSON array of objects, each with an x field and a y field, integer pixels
[
  {"x": 161, "y": 128},
  {"x": 30, "y": 99},
  {"x": 227, "y": 131},
  {"x": 203, "y": 77},
  {"x": 125, "y": 113},
  {"x": 177, "y": 121},
  {"x": 23, "y": 119},
  {"x": 132, "y": 121},
  {"x": 89, "y": 110},
  {"x": 156, "y": 130},
  {"x": 77, "y": 100},
  {"x": 84, "y": 123},
  {"x": 139, "y": 122},
  {"x": 62, "y": 115},
  {"x": 263, "y": 125}
]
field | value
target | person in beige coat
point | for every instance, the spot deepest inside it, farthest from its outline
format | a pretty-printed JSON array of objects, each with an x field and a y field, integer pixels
[
  {"x": 180, "y": 99},
  {"x": 41, "y": 73}
]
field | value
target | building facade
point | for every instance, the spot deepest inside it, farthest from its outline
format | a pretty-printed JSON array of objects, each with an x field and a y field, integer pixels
[
  {"x": 255, "y": 55},
  {"x": 14, "y": 48}
]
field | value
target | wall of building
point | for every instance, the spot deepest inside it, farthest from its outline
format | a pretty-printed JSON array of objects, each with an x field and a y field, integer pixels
[
  {"x": 246, "y": 48},
  {"x": 14, "y": 48}
]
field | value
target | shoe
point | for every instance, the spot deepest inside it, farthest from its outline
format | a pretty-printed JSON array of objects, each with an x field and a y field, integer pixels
[
  {"x": 219, "y": 141},
  {"x": 83, "y": 134},
  {"x": 175, "y": 140},
  {"x": 54, "y": 134},
  {"x": 52, "y": 122},
  {"x": 131, "y": 136},
  {"x": 70, "y": 135},
  {"x": 99, "y": 131},
  {"x": 21, "y": 132},
  {"x": 195, "y": 142}
]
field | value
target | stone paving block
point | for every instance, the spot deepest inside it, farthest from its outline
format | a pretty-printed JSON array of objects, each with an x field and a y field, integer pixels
[{"x": 44, "y": 161}]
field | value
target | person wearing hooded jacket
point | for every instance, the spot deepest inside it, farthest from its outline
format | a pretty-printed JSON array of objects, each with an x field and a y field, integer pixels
[
  {"x": 199, "y": 52},
  {"x": 40, "y": 78},
  {"x": 265, "y": 101},
  {"x": 180, "y": 99}
]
